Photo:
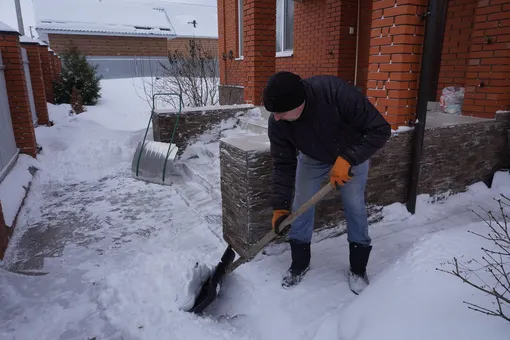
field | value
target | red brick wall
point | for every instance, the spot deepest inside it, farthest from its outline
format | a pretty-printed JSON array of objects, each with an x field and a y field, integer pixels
[
  {"x": 469, "y": 61},
  {"x": 456, "y": 43},
  {"x": 488, "y": 72},
  {"x": 365, "y": 28},
  {"x": 395, "y": 57},
  {"x": 109, "y": 46},
  {"x": 322, "y": 43},
  {"x": 316, "y": 39},
  {"x": 347, "y": 42},
  {"x": 232, "y": 71},
  {"x": 182, "y": 45},
  {"x": 17, "y": 92},
  {"x": 36, "y": 74},
  {"x": 47, "y": 75}
]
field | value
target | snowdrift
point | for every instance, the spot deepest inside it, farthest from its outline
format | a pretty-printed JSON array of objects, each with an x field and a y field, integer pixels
[{"x": 413, "y": 300}]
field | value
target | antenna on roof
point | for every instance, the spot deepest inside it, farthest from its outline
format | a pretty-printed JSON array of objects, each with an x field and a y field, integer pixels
[
  {"x": 19, "y": 16},
  {"x": 194, "y": 22}
]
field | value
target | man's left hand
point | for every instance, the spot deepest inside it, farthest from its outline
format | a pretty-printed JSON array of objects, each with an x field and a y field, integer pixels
[{"x": 341, "y": 172}]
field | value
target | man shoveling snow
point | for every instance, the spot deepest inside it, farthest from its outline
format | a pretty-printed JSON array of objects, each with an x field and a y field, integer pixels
[{"x": 319, "y": 126}]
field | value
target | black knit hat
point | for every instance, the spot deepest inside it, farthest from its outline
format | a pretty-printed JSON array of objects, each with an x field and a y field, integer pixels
[{"x": 284, "y": 91}]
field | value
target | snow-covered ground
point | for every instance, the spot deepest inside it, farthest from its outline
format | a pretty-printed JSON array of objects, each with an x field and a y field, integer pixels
[{"x": 99, "y": 255}]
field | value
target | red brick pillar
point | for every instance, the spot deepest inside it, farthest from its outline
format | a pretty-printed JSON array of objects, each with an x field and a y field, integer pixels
[
  {"x": 46, "y": 67},
  {"x": 395, "y": 57},
  {"x": 488, "y": 73},
  {"x": 259, "y": 47},
  {"x": 17, "y": 92},
  {"x": 36, "y": 74},
  {"x": 4, "y": 234}
]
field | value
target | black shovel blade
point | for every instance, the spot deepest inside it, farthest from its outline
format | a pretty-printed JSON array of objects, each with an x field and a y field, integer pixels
[{"x": 211, "y": 286}]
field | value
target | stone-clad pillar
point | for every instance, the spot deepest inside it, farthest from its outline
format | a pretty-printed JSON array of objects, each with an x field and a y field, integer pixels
[{"x": 246, "y": 177}]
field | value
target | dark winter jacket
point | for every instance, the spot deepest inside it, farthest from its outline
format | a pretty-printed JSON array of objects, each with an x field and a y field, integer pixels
[{"x": 337, "y": 120}]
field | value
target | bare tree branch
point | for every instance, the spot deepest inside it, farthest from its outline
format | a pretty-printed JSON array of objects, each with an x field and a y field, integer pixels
[{"x": 495, "y": 263}]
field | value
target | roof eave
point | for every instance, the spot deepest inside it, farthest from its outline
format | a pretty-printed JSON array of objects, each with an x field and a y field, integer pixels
[
  {"x": 101, "y": 33},
  {"x": 193, "y": 37}
]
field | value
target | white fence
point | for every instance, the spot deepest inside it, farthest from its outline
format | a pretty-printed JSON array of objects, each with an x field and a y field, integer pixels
[
  {"x": 128, "y": 67},
  {"x": 8, "y": 149},
  {"x": 137, "y": 66}
]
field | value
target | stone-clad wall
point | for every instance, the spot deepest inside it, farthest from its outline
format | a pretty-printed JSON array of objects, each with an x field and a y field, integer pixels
[
  {"x": 192, "y": 122},
  {"x": 454, "y": 156}
]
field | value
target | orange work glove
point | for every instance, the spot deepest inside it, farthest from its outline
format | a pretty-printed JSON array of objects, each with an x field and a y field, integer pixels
[
  {"x": 278, "y": 217},
  {"x": 341, "y": 172}
]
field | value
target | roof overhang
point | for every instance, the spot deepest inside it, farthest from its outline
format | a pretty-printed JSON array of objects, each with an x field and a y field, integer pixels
[{"x": 43, "y": 33}]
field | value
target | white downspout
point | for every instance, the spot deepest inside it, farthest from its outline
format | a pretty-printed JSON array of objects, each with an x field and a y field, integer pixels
[{"x": 357, "y": 45}]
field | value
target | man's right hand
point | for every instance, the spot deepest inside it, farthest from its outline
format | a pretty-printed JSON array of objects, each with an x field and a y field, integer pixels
[{"x": 278, "y": 217}]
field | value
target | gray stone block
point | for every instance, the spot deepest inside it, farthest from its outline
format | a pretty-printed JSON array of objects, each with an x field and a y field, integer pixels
[
  {"x": 192, "y": 122},
  {"x": 231, "y": 94}
]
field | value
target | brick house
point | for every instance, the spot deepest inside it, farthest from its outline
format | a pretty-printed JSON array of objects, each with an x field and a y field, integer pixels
[
  {"x": 113, "y": 34},
  {"x": 375, "y": 45},
  {"x": 26, "y": 69}
]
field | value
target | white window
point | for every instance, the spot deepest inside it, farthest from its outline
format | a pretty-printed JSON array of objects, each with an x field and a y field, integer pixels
[
  {"x": 240, "y": 23},
  {"x": 284, "y": 26}
]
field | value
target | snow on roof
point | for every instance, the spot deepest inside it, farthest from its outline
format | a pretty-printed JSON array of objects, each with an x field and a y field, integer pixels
[
  {"x": 106, "y": 18},
  {"x": 6, "y": 28},
  {"x": 28, "y": 40},
  {"x": 192, "y": 20}
]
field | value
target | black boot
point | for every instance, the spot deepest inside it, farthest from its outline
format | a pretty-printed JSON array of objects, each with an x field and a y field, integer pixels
[
  {"x": 300, "y": 263},
  {"x": 358, "y": 258}
]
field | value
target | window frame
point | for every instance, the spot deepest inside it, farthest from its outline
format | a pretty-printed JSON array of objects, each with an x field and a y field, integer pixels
[
  {"x": 240, "y": 29},
  {"x": 283, "y": 4}
]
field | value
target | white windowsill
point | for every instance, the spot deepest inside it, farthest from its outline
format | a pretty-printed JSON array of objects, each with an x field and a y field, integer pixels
[{"x": 284, "y": 54}]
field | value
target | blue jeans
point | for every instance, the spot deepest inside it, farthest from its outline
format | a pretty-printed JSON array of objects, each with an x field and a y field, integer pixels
[{"x": 310, "y": 175}]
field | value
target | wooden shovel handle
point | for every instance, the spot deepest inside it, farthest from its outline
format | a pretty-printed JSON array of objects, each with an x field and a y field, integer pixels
[{"x": 254, "y": 250}]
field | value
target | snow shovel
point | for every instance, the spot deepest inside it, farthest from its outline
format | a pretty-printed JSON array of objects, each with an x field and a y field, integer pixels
[
  {"x": 153, "y": 161},
  {"x": 211, "y": 286}
]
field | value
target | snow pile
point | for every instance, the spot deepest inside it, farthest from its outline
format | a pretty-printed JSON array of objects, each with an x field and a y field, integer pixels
[
  {"x": 168, "y": 289},
  {"x": 14, "y": 187},
  {"x": 175, "y": 289},
  {"x": 6, "y": 28},
  {"x": 99, "y": 142},
  {"x": 81, "y": 154},
  {"x": 413, "y": 300},
  {"x": 132, "y": 113}
]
